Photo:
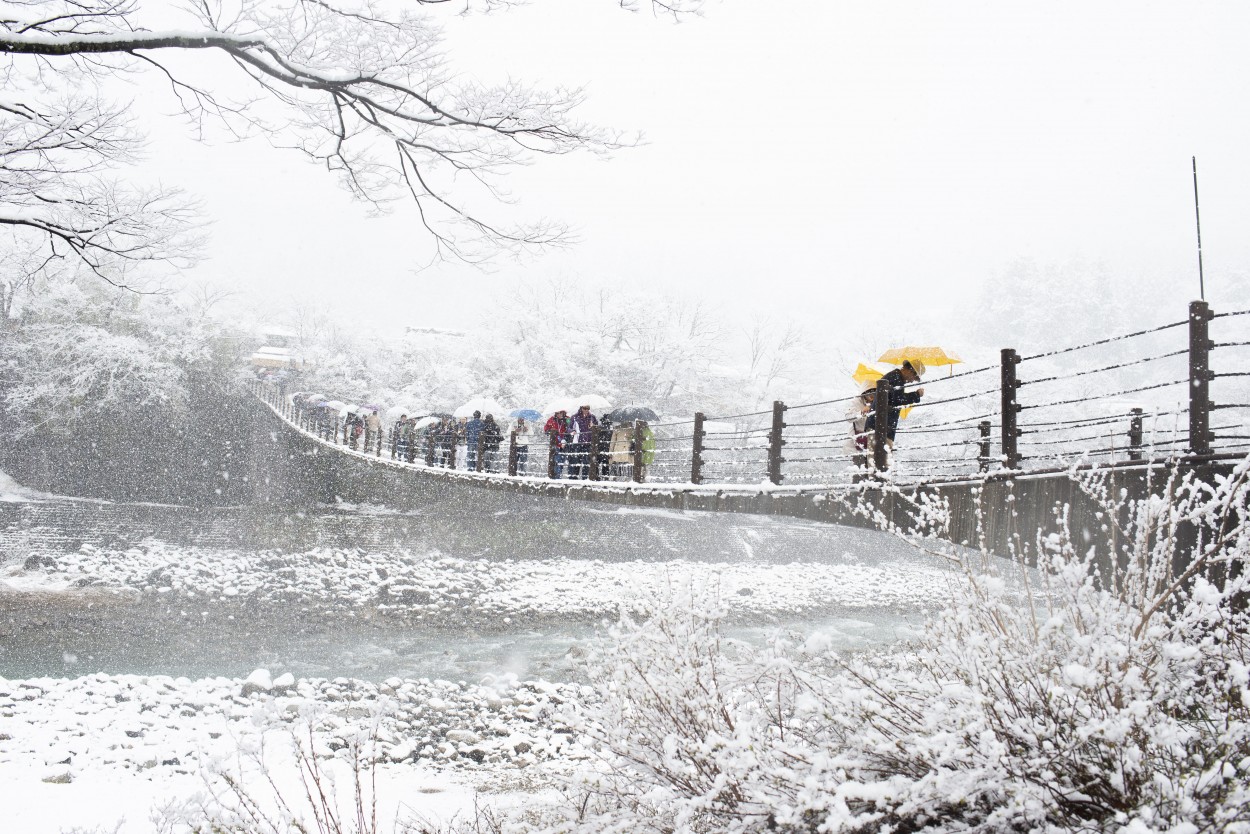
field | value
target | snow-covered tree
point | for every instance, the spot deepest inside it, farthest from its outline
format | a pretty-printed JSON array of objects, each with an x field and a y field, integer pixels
[{"x": 360, "y": 86}]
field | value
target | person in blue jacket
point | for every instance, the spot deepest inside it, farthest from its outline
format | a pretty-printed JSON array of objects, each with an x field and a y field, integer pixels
[{"x": 898, "y": 379}]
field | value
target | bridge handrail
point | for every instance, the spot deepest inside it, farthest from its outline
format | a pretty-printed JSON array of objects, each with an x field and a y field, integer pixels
[{"x": 762, "y": 446}]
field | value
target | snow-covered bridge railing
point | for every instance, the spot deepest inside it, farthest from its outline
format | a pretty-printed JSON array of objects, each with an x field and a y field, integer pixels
[{"x": 1119, "y": 401}]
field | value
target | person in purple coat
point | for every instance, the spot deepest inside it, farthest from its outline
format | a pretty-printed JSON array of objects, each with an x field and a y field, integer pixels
[{"x": 581, "y": 425}]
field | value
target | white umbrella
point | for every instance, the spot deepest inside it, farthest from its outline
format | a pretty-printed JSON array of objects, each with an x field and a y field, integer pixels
[
  {"x": 596, "y": 402},
  {"x": 396, "y": 411},
  {"x": 337, "y": 405},
  {"x": 557, "y": 405},
  {"x": 425, "y": 421},
  {"x": 483, "y": 404}
]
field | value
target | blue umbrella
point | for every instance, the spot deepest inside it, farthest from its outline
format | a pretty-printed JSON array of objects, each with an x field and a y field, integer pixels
[{"x": 525, "y": 413}]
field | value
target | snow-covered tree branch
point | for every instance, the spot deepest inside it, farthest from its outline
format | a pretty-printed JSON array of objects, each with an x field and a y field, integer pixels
[{"x": 361, "y": 87}]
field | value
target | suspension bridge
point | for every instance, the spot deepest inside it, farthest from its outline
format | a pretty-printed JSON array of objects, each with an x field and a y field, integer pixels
[{"x": 999, "y": 447}]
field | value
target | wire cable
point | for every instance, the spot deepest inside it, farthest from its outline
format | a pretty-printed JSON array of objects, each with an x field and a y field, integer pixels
[
  {"x": 1116, "y": 394},
  {"x": 1104, "y": 368},
  {"x": 1106, "y": 341}
]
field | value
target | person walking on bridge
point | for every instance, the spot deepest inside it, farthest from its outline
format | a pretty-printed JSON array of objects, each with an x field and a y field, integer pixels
[
  {"x": 472, "y": 429},
  {"x": 898, "y": 379}
]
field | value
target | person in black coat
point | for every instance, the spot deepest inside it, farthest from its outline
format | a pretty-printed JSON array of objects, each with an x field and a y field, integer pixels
[{"x": 908, "y": 374}]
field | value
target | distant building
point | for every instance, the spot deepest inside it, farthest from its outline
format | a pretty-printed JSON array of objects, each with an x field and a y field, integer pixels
[{"x": 277, "y": 350}]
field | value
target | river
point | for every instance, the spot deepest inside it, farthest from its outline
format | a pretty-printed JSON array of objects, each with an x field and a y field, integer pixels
[{"x": 457, "y": 592}]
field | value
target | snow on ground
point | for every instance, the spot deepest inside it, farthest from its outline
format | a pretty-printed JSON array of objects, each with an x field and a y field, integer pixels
[
  {"x": 433, "y": 584},
  {"x": 99, "y": 750}
]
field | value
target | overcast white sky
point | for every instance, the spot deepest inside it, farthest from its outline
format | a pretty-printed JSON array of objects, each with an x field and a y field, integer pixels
[{"x": 811, "y": 151}]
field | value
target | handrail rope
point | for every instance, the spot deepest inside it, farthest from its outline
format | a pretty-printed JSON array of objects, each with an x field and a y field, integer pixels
[
  {"x": 1232, "y": 313},
  {"x": 821, "y": 423},
  {"x": 1106, "y": 341},
  {"x": 1231, "y": 344},
  {"x": 955, "y": 422},
  {"x": 737, "y": 433},
  {"x": 935, "y": 380},
  {"x": 1084, "y": 425},
  {"x": 818, "y": 460},
  {"x": 1116, "y": 394},
  {"x": 1069, "y": 440},
  {"x": 1092, "y": 420},
  {"x": 737, "y": 416},
  {"x": 932, "y": 403},
  {"x": 1105, "y": 368},
  {"x": 1230, "y": 405},
  {"x": 1231, "y": 373},
  {"x": 972, "y": 427},
  {"x": 1232, "y": 437},
  {"x": 823, "y": 402}
]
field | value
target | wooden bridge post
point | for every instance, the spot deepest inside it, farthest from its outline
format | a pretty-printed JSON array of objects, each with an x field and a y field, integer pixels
[
  {"x": 592, "y": 456},
  {"x": 1199, "y": 379},
  {"x": 776, "y": 441},
  {"x": 451, "y": 458},
  {"x": 513, "y": 454},
  {"x": 983, "y": 453},
  {"x": 378, "y": 432},
  {"x": 881, "y": 426},
  {"x": 552, "y": 451},
  {"x": 1010, "y": 409},
  {"x": 696, "y": 451},
  {"x": 1135, "y": 434},
  {"x": 637, "y": 474},
  {"x": 429, "y": 444},
  {"x": 478, "y": 463}
]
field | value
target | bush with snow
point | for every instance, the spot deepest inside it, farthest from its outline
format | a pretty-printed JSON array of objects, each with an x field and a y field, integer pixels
[{"x": 1070, "y": 697}]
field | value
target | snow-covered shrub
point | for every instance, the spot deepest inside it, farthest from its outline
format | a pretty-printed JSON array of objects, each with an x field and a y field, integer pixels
[{"x": 1086, "y": 694}]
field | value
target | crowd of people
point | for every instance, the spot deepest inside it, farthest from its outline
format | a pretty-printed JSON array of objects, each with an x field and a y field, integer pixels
[{"x": 578, "y": 446}]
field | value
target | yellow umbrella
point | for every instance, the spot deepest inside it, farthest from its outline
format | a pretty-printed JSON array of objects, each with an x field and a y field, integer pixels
[
  {"x": 865, "y": 376},
  {"x": 929, "y": 355}
]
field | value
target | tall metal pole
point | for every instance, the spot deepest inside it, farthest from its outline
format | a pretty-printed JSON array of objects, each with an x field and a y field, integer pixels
[
  {"x": 1199, "y": 379},
  {"x": 1011, "y": 408},
  {"x": 1135, "y": 434},
  {"x": 881, "y": 425},
  {"x": 776, "y": 441},
  {"x": 696, "y": 450},
  {"x": 1202, "y": 289}
]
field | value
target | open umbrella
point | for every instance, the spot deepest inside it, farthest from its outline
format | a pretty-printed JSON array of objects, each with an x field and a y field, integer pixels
[
  {"x": 934, "y": 356},
  {"x": 337, "y": 405},
  {"x": 397, "y": 411},
  {"x": 557, "y": 405},
  {"x": 483, "y": 404},
  {"x": 596, "y": 402},
  {"x": 630, "y": 413},
  {"x": 525, "y": 414},
  {"x": 425, "y": 421},
  {"x": 350, "y": 409},
  {"x": 373, "y": 406}
]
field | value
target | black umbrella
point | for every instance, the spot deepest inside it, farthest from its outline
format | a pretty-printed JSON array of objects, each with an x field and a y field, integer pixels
[{"x": 630, "y": 413}]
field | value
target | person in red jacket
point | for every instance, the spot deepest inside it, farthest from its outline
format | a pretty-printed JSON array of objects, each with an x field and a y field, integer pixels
[{"x": 557, "y": 430}]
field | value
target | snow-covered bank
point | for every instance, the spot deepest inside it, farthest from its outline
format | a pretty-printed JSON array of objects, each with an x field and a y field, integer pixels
[{"x": 99, "y": 751}]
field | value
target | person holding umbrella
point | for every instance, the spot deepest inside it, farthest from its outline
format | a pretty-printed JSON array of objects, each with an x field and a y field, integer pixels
[{"x": 898, "y": 379}]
